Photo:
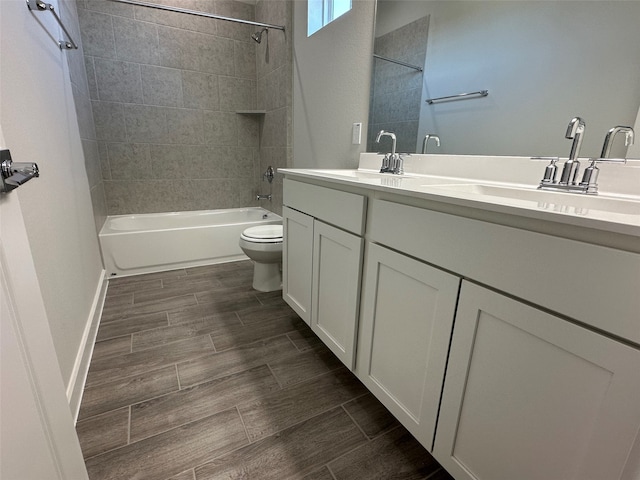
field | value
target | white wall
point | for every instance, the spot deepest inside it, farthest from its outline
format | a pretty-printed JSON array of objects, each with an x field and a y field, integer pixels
[
  {"x": 37, "y": 435},
  {"x": 331, "y": 79},
  {"x": 40, "y": 125}
]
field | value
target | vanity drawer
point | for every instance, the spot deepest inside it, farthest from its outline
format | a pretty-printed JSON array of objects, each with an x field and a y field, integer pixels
[{"x": 343, "y": 209}]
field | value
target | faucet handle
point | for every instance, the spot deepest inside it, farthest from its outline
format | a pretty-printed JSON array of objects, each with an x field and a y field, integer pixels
[
  {"x": 398, "y": 166},
  {"x": 550, "y": 170},
  {"x": 384, "y": 168},
  {"x": 590, "y": 175}
]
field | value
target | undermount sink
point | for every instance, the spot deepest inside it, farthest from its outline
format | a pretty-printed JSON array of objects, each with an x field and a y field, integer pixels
[
  {"x": 370, "y": 177},
  {"x": 388, "y": 179},
  {"x": 551, "y": 200},
  {"x": 337, "y": 171},
  {"x": 358, "y": 173}
]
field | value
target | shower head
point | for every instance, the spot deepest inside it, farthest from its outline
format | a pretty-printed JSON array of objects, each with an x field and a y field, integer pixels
[{"x": 258, "y": 35}]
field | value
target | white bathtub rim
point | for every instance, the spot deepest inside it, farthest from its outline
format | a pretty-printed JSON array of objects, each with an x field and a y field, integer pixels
[
  {"x": 140, "y": 251},
  {"x": 106, "y": 230}
]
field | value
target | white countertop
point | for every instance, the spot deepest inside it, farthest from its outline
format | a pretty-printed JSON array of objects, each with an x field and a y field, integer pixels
[{"x": 506, "y": 185}]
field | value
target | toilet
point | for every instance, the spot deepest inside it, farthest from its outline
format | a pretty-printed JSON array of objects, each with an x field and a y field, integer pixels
[{"x": 263, "y": 245}]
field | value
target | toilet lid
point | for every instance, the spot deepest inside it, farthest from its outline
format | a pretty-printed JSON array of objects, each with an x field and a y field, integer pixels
[{"x": 264, "y": 232}]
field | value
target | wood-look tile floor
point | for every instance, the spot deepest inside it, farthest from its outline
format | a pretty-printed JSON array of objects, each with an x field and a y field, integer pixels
[{"x": 195, "y": 376}]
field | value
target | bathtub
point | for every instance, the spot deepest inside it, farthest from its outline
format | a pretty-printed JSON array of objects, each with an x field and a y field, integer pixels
[{"x": 135, "y": 244}]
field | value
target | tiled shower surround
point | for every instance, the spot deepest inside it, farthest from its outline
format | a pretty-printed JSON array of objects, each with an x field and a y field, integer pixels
[
  {"x": 165, "y": 89},
  {"x": 397, "y": 90}
]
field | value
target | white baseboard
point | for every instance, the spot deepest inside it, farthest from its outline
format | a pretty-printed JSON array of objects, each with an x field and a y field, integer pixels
[{"x": 81, "y": 365}]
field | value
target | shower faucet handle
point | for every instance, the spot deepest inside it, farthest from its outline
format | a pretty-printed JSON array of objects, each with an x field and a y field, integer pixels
[{"x": 268, "y": 174}]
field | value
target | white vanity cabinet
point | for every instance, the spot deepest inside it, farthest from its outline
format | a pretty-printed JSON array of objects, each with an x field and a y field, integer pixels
[
  {"x": 532, "y": 396},
  {"x": 527, "y": 394},
  {"x": 507, "y": 349},
  {"x": 335, "y": 292},
  {"x": 322, "y": 262},
  {"x": 407, "y": 318},
  {"x": 297, "y": 257}
]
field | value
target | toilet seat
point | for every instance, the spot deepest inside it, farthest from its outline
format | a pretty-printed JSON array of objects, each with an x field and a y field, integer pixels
[{"x": 263, "y": 234}]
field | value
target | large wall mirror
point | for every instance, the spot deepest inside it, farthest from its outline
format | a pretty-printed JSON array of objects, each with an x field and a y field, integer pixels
[{"x": 542, "y": 62}]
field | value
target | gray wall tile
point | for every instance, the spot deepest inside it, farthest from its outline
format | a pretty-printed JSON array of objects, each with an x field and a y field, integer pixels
[
  {"x": 161, "y": 86},
  {"x": 129, "y": 161},
  {"x": 245, "y": 59},
  {"x": 261, "y": 93},
  {"x": 169, "y": 138},
  {"x": 220, "y": 128},
  {"x": 92, "y": 162},
  {"x": 118, "y": 81},
  {"x": 248, "y": 130},
  {"x": 91, "y": 77},
  {"x": 82, "y": 91},
  {"x": 234, "y": 9},
  {"x": 243, "y": 164},
  {"x": 178, "y": 48},
  {"x": 145, "y": 124},
  {"x": 97, "y": 34},
  {"x": 200, "y": 90},
  {"x": 243, "y": 192},
  {"x": 273, "y": 135},
  {"x": 274, "y": 72},
  {"x": 184, "y": 126},
  {"x": 215, "y": 55},
  {"x": 179, "y": 20},
  {"x": 136, "y": 41},
  {"x": 104, "y": 160},
  {"x": 237, "y": 94},
  {"x": 186, "y": 161},
  {"x": 111, "y": 8},
  {"x": 109, "y": 120}
]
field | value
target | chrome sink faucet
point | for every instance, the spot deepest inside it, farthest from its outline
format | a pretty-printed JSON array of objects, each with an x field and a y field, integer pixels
[
  {"x": 392, "y": 162},
  {"x": 575, "y": 130},
  {"x": 427, "y": 137},
  {"x": 568, "y": 180},
  {"x": 590, "y": 176},
  {"x": 608, "y": 140}
]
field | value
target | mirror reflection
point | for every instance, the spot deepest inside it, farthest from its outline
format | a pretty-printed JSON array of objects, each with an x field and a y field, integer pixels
[{"x": 541, "y": 62}]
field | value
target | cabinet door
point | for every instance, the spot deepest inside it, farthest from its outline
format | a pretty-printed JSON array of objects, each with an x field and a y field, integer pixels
[
  {"x": 337, "y": 265},
  {"x": 297, "y": 255},
  {"x": 406, "y": 324},
  {"x": 531, "y": 396}
]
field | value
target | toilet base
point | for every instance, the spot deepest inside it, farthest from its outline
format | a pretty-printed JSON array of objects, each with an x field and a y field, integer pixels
[{"x": 267, "y": 277}]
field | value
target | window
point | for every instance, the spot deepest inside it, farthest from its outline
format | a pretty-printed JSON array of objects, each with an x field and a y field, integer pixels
[{"x": 323, "y": 12}]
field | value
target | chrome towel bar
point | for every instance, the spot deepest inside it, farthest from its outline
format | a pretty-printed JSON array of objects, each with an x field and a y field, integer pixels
[
  {"x": 40, "y": 6},
  {"x": 460, "y": 96}
]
